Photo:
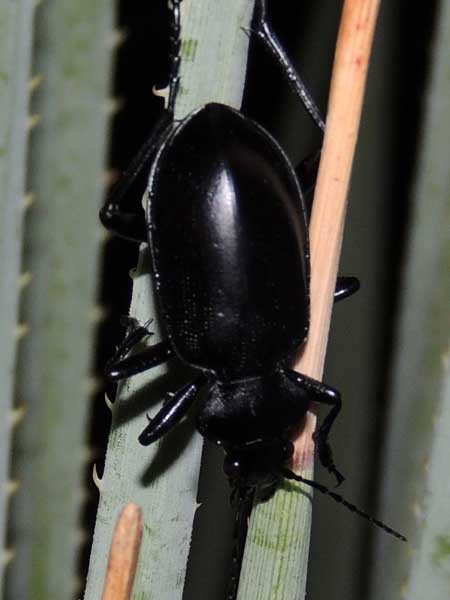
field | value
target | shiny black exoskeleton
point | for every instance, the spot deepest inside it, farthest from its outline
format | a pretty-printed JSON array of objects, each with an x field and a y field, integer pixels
[
  {"x": 227, "y": 226},
  {"x": 226, "y": 222}
]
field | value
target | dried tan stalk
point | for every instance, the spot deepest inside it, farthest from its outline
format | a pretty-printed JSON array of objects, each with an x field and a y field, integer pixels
[
  {"x": 276, "y": 555},
  {"x": 124, "y": 554}
]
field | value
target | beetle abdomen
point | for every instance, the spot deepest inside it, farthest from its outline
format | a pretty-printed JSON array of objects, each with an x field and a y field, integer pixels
[{"x": 229, "y": 244}]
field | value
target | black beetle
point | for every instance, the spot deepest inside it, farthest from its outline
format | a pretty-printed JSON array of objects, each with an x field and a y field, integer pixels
[{"x": 226, "y": 222}]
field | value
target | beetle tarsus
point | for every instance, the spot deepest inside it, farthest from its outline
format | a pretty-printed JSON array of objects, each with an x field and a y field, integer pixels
[
  {"x": 322, "y": 394},
  {"x": 120, "y": 366},
  {"x": 135, "y": 333},
  {"x": 325, "y": 455},
  {"x": 131, "y": 324}
]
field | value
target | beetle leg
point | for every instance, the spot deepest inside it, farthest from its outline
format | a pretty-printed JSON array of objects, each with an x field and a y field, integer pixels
[
  {"x": 306, "y": 172},
  {"x": 143, "y": 361},
  {"x": 171, "y": 412},
  {"x": 125, "y": 222},
  {"x": 121, "y": 366},
  {"x": 345, "y": 287},
  {"x": 175, "y": 48},
  {"x": 262, "y": 29},
  {"x": 135, "y": 333},
  {"x": 323, "y": 394}
]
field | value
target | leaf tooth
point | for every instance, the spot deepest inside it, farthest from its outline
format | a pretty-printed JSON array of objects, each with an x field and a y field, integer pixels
[
  {"x": 96, "y": 478},
  {"x": 109, "y": 402},
  {"x": 98, "y": 313},
  {"x": 110, "y": 176},
  {"x": 24, "y": 280},
  {"x": 92, "y": 385},
  {"x": 22, "y": 329},
  {"x": 28, "y": 200},
  {"x": 162, "y": 93},
  {"x": 35, "y": 82},
  {"x": 117, "y": 38},
  {"x": 7, "y": 556},
  {"x": 88, "y": 454},
  {"x": 114, "y": 105},
  {"x": 82, "y": 536},
  {"x": 11, "y": 487},
  {"x": 33, "y": 121},
  {"x": 17, "y": 415}
]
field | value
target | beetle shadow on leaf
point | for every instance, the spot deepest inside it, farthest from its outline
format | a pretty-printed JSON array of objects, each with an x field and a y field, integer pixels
[
  {"x": 147, "y": 399},
  {"x": 171, "y": 448},
  {"x": 138, "y": 403},
  {"x": 147, "y": 396},
  {"x": 293, "y": 487}
]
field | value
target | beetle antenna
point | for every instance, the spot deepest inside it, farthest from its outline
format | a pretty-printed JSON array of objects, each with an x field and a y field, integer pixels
[
  {"x": 338, "y": 498},
  {"x": 175, "y": 55}
]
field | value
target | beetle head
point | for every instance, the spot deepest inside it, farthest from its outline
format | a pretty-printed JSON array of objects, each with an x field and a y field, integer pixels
[{"x": 257, "y": 464}]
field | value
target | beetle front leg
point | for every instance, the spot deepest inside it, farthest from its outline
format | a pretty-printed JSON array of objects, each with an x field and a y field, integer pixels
[
  {"x": 171, "y": 412},
  {"x": 262, "y": 29},
  {"x": 323, "y": 394}
]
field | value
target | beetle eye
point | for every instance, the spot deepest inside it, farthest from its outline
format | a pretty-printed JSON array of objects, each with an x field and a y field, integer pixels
[{"x": 232, "y": 468}]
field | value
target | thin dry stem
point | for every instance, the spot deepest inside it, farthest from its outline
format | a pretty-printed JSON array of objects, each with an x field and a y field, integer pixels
[
  {"x": 124, "y": 554},
  {"x": 276, "y": 553},
  {"x": 330, "y": 201}
]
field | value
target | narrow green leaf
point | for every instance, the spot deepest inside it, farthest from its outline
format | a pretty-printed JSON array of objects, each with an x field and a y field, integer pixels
[
  {"x": 163, "y": 478},
  {"x": 73, "y": 45},
  {"x": 277, "y": 547},
  {"x": 16, "y": 22},
  {"x": 416, "y": 492}
]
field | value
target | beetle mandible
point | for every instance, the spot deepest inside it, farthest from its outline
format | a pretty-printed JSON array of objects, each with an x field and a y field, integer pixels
[{"x": 232, "y": 279}]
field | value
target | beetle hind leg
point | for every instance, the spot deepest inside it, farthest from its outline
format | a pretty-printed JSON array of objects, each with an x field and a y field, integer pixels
[
  {"x": 125, "y": 221},
  {"x": 323, "y": 394},
  {"x": 171, "y": 412},
  {"x": 262, "y": 29}
]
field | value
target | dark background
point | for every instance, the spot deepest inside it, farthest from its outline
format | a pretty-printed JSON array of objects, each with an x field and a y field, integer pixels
[{"x": 376, "y": 230}]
